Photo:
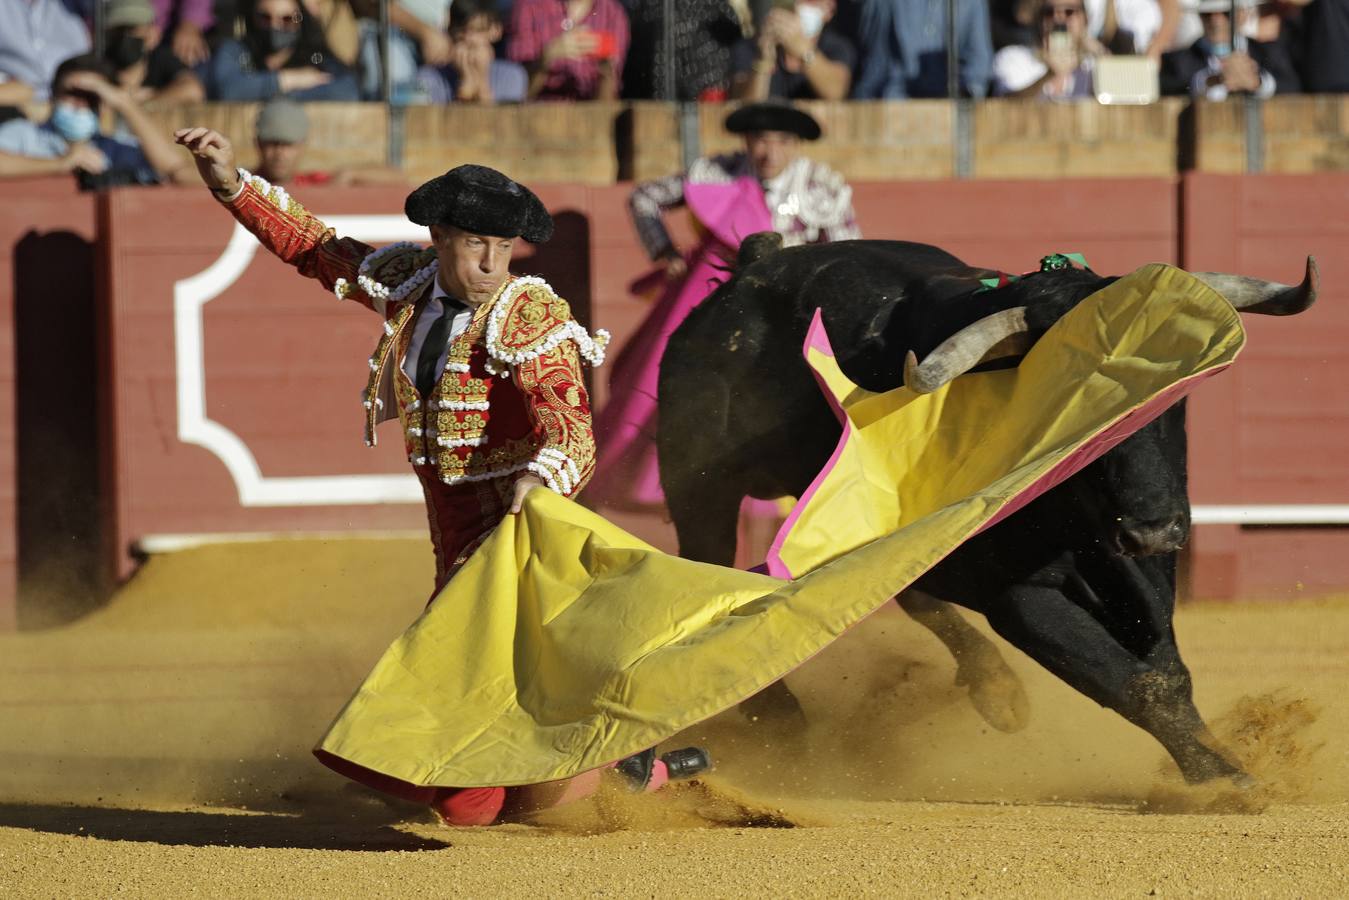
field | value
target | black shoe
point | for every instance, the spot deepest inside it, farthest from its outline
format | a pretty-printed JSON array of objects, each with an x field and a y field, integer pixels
[
  {"x": 686, "y": 763},
  {"x": 637, "y": 768}
]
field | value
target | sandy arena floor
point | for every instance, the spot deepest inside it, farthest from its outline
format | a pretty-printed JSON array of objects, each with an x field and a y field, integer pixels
[{"x": 160, "y": 748}]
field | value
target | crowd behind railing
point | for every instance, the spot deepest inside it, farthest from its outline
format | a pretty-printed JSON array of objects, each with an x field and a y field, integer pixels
[{"x": 77, "y": 58}]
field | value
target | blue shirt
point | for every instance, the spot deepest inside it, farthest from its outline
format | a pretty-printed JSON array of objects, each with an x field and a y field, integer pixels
[
  {"x": 903, "y": 48},
  {"x": 232, "y": 74},
  {"x": 36, "y": 36},
  {"x": 508, "y": 81},
  {"x": 126, "y": 163}
]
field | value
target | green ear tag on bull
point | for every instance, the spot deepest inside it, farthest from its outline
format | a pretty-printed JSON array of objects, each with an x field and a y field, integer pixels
[{"x": 1055, "y": 261}]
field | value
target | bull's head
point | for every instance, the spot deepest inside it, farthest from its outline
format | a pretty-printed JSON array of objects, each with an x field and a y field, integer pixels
[
  {"x": 1135, "y": 498},
  {"x": 1136, "y": 493},
  {"x": 1009, "y": 331}
]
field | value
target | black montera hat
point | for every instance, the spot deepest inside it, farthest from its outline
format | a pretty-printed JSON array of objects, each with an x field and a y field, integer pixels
[
  {"x": 481, "y": 200},
  {"x": 773, "y": 115}
]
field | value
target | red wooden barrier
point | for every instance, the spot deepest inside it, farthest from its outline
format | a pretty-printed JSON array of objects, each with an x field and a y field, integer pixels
[
  {"x": 233, "y": 383},
  {"x": 46, "y": 274},
  {"x": 251, "y": 423},
  {"x": 236, "y": 383},
  {"x": 1272, "y": 432}
]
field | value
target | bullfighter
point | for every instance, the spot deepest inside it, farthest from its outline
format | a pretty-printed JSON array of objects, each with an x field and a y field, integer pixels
[
  {"x": 482, "y": 369},
  {"x": 767, "y": 186}
]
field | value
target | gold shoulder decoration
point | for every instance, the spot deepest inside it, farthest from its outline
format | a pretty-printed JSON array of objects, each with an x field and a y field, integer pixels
[
  {"x": 391, "y": 274},
  {"x": 528, "y": 320}
]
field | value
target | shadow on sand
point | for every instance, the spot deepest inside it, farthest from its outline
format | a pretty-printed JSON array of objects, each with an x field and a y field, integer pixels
[{"x": 311, "y": 830}]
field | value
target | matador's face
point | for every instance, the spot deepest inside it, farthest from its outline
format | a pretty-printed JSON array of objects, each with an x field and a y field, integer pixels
[
  {"x": 472, "y": 266},
  {"x": 771, "y": 151}
]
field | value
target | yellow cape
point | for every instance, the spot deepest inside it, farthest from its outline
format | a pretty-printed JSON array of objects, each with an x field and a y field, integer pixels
[{"x": 565, "y": 643}]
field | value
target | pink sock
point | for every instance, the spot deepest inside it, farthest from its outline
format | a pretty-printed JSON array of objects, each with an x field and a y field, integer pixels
[{"x": 660, "y": 774}]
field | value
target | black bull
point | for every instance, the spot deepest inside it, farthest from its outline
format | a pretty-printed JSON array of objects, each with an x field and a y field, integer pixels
[{"x": 1082, "y": 579}]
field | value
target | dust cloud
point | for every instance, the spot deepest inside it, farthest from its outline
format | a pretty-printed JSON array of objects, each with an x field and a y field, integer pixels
[{"x": 183, "y": 713}]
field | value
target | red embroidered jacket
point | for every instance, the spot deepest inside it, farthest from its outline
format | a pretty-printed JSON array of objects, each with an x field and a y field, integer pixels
[{"x": 511, "y": 398}]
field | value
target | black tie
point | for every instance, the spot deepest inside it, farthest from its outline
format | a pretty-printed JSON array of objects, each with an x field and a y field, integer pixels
[{"x": 434, "y": 345}]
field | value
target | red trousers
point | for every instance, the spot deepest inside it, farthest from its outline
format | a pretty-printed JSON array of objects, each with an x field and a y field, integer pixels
[{"x": 461, "y": 516}]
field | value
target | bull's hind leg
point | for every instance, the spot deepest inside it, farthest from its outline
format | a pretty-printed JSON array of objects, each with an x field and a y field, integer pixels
[
  {"x": 705, "y": 519},
  {"x": 1065, "y": 639},
  {"x": 995, "y": 691}
]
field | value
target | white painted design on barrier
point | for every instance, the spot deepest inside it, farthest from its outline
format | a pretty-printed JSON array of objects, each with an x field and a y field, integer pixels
[
  {"x": 256, "y": 489},
  {"x": 190, "y": 295}
]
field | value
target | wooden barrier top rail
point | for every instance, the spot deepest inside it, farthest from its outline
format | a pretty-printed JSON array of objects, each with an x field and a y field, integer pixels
[{"x": 603, "y": 143}]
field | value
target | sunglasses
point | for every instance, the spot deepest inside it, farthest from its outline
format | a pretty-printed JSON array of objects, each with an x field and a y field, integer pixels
[{"x": 288, "y": 22}]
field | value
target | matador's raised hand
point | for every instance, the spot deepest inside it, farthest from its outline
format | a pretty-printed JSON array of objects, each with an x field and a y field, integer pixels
[{"x": 214, "y": 157}]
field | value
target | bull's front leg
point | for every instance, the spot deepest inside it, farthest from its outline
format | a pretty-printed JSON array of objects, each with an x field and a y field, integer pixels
[
  {"x": 1068, "y": 641},
  {"x": 995, "y": 690},
  {"x": 705, "y": 514}
]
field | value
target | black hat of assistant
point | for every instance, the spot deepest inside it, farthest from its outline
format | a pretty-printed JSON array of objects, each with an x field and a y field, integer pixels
[
  {"x": 773, "y": 116},
  {"x": 481, "y": 200}
]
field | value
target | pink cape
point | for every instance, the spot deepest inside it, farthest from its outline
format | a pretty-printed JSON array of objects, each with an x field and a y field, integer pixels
[{"x": 626, "y": 472}]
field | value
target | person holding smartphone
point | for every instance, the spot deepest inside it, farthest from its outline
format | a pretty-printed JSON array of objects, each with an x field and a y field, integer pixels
[
  {"x": 794, "y": 56},
  {"x": 1060, "y": 68},
  {"x": 572, "y": 49}
]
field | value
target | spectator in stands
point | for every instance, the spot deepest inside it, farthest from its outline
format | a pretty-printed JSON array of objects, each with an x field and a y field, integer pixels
[
  {"x": 186, "y": 23},
  {"x": 419, "y": 37},
  {"x": 474, "y": 74},
  {"x": 282, "y": 53},
  {"x": 573, "y": 49},
  {"x": 1273, "y": 43},
  {"x": 1060, "y": 68},
  {"x": 1325, "y": 46},
  {"x": 795, "y": 56},
  {"x": 70, "y": 140},
  {"x": 1211, "y": 68},
  {"x": 704, "y": 33},
  {"x": 146, "y": 66},
  {"x": 1011, "y": 23},
  {"x": 282, "y": 133},
  {"x": 341, "y": 28},
  {"x": 1148, "y": 27},
  {"x": 1120, "y": 26},
  {"x": 35, "y": 35},
  {"x": 903, "y": 49},
  {"x": 13, "y": 94}
]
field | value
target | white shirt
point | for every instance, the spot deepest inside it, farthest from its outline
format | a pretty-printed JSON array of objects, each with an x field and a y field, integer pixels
[
  {"x": 433, "y": 310},
  {"x": 1141, "y": 18}
]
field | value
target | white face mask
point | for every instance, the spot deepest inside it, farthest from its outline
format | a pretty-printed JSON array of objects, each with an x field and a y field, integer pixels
[{"x": 812, "y": 19}]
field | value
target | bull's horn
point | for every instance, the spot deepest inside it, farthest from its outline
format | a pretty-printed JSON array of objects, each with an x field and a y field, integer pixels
[
  {"x": 1266, "y": 297},
  {"x": 963, "y": 350},
  {"x": 757, "y": 246}
]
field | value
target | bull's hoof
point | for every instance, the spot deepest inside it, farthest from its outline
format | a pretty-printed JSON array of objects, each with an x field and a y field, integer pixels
[{"x": 995, "y": 691}]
